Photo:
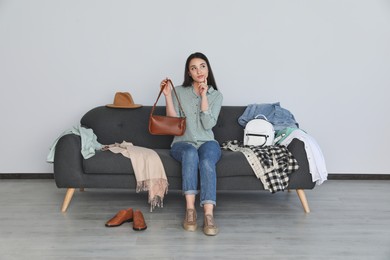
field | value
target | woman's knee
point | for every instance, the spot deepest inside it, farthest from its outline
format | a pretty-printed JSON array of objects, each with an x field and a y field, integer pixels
[
  {"x": 182, "y": 151},
  {"x": 190, "y": 152},
  {"x": 210, "y": 152}
]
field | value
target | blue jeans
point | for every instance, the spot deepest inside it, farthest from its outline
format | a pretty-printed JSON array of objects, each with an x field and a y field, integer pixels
[{"x": 203, "y": 159}]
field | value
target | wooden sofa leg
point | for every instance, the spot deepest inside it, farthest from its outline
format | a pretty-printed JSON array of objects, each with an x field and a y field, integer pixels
[
  {"x": 302, "y": 197},
  {"x": 68, "y": 198}
]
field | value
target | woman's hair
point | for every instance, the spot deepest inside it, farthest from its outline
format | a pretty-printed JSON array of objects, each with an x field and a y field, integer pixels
[{"x": 188, "y": 79}]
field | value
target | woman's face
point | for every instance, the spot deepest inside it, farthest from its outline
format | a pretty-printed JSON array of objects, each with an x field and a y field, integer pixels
[{"x": 198, "y": 70}]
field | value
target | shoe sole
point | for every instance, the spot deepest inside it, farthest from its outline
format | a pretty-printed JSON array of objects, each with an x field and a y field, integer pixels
[
  {"x": 139, "y": 229},
  {"x": 129, "y": 220}
]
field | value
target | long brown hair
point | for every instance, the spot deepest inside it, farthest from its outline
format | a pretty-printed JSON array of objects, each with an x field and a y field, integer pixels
[{"x": 188, "y": 79}]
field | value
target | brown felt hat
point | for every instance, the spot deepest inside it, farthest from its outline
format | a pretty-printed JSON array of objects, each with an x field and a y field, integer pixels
[{"x": 123, "y": 100}]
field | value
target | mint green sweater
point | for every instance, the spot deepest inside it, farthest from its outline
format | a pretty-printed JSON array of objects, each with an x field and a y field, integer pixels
[{"x": 89, "y": 142}]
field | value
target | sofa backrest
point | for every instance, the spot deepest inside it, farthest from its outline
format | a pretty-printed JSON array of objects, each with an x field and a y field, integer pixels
[{"x": 114, "y": 125}]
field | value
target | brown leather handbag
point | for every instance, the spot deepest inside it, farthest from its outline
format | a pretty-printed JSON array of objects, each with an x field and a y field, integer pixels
[{"x": 167, "y": 125}]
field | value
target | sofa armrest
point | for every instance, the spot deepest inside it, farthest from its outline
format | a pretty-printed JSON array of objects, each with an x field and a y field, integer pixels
[
  {"x": 68, "y": 162},
  {"x": 301, "y": 178}
]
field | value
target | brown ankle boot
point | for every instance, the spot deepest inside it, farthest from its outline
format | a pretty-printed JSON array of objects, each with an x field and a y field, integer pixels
[{"x": 139, "y": 221}]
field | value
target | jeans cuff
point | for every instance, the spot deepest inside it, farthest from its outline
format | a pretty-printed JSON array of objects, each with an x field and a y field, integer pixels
[
  {"x": 208, "y": 202},
  {"x": 190, "y": 192}
]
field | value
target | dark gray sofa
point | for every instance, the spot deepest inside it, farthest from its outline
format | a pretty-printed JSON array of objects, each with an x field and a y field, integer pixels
[{"x": 108, "y": 170}]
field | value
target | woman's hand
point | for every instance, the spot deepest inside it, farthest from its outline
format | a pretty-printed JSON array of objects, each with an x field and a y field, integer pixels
[
  {"x": 166, "y": 86},
  {"x": 203, "y": 87}
]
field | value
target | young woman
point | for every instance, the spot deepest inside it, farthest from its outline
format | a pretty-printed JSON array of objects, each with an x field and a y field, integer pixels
[{"x": 197, "y": 150}]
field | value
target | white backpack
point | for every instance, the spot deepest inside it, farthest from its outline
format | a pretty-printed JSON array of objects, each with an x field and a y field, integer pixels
[{"x": 259, "y": 132}]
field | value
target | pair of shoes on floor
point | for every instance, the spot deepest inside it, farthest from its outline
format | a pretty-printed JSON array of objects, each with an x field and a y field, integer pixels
[
  {"x": 127, "y": 215},
  {"x": 209, "y": 227}
]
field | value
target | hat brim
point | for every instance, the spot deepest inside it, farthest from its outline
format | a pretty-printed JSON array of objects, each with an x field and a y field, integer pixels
[{"x": 131, "y": 106}]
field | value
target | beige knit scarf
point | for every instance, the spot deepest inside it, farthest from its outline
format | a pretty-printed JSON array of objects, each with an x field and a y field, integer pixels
[{"x": 148, "y": 170}]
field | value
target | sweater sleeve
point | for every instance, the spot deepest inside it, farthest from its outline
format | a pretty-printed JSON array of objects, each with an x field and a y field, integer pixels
[{"x": 209, "y": 118}]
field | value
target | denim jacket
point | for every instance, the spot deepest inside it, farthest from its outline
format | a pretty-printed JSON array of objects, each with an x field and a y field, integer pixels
[{"x": 278, "y": 116}]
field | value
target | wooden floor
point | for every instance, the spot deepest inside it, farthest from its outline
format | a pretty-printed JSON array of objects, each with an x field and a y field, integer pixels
[{"x": 348, "y": 220}]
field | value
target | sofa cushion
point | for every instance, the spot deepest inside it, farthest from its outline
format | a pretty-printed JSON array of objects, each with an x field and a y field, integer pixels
[
  {"x": 233, "y": 164},
  {"x": 107, "y": 162},
  {"x": 113, "y": 125}
]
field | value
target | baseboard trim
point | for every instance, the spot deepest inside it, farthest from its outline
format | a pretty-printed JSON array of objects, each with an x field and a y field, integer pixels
[
  {"x": 26, "y": 176},
  {"x": 332, "y": 176},
  {"x": 358, "y": 176}
]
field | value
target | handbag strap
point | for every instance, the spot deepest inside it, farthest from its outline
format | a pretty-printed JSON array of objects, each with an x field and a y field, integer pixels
[{"x": 173, "y": 87}]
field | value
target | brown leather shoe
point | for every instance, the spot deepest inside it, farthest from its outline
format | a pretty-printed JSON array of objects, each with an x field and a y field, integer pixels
[
  {"x": 139, "y": 221},
  {"x": 124, "y": 215}
]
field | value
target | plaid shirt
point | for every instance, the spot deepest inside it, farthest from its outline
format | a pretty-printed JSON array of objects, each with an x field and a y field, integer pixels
[{"x": 271, "y": 164}]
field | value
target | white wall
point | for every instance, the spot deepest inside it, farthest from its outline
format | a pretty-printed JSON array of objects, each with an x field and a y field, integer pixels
[{"x": 328, "y": 62}]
